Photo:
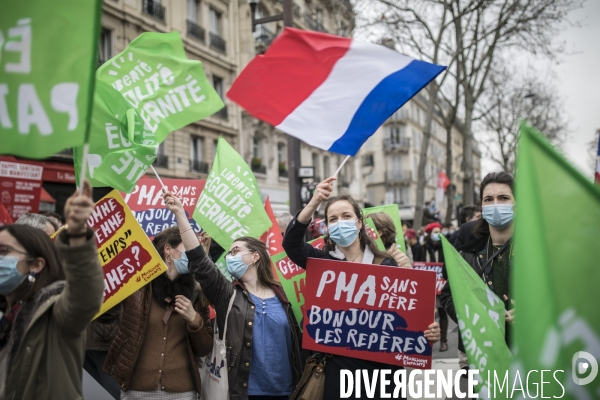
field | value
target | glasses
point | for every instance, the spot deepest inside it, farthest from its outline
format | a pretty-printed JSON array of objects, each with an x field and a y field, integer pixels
[
  {"x": 5, "y": 249},
  {"x": 235, "y": 251}
]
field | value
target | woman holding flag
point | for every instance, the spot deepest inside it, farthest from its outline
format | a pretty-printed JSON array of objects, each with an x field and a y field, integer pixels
[
  {"x": 263, "y": 337},
  {"x": 347, "y": 241}
]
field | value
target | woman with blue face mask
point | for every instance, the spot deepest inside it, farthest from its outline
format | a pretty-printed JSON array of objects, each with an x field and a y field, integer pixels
[
  {"x": 167, "y": 324},
  {"x": 488, "y": 248},
  {"x": 263, "y": 337},
  {"x": 49, "y": 292},
  {"x": 347, "y": 241}
]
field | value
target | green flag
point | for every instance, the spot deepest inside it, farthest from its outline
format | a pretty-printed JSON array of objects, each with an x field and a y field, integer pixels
[
  {"x": 372, "y": 231},
  {"x": 48, "y": 56},
  {"x": 394, "y": 213},
  {"x": 480, "y": 316},
  {"x": 166, "y": 89},
  {"x": 230, "y": 206},
  {"x": 556, "y": 271},
  {"x": 121, "y": 149}
]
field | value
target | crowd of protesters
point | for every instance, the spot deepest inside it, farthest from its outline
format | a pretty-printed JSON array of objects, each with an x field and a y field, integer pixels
[{"x": 151, "y": 345}]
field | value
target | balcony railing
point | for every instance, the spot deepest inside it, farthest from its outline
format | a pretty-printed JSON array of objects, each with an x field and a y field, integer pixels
[
  {"x": 396, "y": 144},
  {"x": 199, "y": 166},
  {"x": 162, "y": 161},
  {"x": 398, "y": 176},
  {"x": 196, "y": 31},
  {"x": 218, "y": 43},
  {"x": 313, "y": 24},
  {"x": 265, "y": 37},
  {"x": 222, "y": 113},
  {"x": 259, "y": 168},
  {"x": 283, "y": 173},
  {"x": 154, "y": 9}
]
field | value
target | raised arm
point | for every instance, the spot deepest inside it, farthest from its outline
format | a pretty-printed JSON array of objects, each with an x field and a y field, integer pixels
[
  {"x": 83, "y": 294},
  {"x": 216, "y": 287}
]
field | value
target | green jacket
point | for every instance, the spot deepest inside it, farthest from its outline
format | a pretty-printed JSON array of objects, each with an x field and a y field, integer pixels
[{"x": 48, "y": 363}]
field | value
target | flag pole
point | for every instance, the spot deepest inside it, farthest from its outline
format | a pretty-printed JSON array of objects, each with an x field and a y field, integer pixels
[
  {"x": 336, "y": 174},
  {"x": 160, "y": 180},
  {"x": 83, "y": 171}
]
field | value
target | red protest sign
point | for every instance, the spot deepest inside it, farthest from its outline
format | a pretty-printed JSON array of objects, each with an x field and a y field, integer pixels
[
  {"x": 5, "y": 218},
  {"x": 272, "y": 238},
  {"x": 147, "y": 205},
  {"x": 20, "y": 187},
  {"x": 371, "y": 312},
  {"x": 435, "y": 267}
]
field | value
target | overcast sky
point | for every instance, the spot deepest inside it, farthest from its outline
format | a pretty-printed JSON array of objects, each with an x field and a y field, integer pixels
[{"x": 579, "y": 83}]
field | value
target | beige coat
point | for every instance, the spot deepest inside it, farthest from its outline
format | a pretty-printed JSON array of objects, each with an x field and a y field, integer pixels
[{"x": 48, "y": 363}]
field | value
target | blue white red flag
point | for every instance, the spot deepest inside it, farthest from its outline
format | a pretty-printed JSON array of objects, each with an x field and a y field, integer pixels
[{"x": 331, "y": 92}]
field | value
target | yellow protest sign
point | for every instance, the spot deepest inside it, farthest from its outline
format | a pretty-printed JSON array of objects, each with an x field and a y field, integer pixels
[{"x": 128, "y": 258}]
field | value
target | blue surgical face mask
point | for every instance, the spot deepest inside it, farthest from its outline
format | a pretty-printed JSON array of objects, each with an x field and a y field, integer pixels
[
  {"x": 435, "y": 237},
  {"x": 343, "y": 233},
  {"x": 498, "y": 215},
  {"x": 236, "y": 267},
  {"x": 10, "y": 277},
  {"x": 182, "y": 263}
]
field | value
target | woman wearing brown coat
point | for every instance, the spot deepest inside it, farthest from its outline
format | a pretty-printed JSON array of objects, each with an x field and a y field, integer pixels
[{"x": 164, "y": 327}]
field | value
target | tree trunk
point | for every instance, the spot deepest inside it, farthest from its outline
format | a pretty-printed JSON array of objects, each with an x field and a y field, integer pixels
[
  {"x": 421, "y": 179},
  {"x": 467, "y": 164},
  {"x": 450, "y": 190}
]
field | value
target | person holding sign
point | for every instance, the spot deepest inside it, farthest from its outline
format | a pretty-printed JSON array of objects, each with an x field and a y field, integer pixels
[
  {"x": 165, "y": 324},
  {"x": 50, "y": 292},
  {"x": 347, "y": 241}
]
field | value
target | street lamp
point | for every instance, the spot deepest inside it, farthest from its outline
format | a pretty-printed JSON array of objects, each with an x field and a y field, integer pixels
[{"x": 293, "y": 144}]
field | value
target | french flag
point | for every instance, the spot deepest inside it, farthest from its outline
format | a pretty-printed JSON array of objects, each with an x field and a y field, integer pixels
[{"x": 328, "y": 91}]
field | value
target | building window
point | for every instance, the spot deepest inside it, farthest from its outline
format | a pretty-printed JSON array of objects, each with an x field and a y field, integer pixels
[
  {"x": 396, "y": 134},
  {"x": 218, "y": 85},
  {"x": 315, "y": 163},
  {"x": 215, "y": 21},
  {"x": 257, "y": 156},
  {"x": 215, "y": 144},
  {"x": 326, "y": 171},
  {"x": 368, "y": 160},
  {"x": 162, "y": 160},
  {"x": 192, "y": 10},
  {"x": 105, "y": 46},
  {"x": 197, "y": 163},
  {"x": 282, "y": 159}
]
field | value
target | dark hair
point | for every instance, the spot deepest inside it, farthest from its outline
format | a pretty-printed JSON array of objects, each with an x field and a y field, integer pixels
[
  {"x": 365, "y": 240},
  {"x": 264, "y": 272},
  {"x": 385, "y": 227},
  {"x": 57, "y": 216},
  {"x": 51, "y": 222},
  {"x": 447, "y": 225},
  {"x": 37, "y": 244},
  {"x": 170, "y": 236},
  {"x": 467, "y": 213},
  {"x": 481, "y": 227}
]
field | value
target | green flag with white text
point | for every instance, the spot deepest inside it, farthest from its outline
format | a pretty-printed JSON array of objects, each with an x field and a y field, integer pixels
[
  {"x": 556, "y": 276},
  {"x": 230, "y": 206},
  {"x": 48, "y": 57},
  {"x": 394, "y": 213},
  {"x": 121, "y": 146},
  {"x": 166, "y": 89},
  {"x": 481, "y": 322}
]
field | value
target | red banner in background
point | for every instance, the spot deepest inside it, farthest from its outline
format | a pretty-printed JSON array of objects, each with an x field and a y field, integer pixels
[
  {"x": 371, "y": 312},
  {"x": 147, "y": 205},
  {"x": 20, "y": 187},
  {"x": 435, "y": 267}
]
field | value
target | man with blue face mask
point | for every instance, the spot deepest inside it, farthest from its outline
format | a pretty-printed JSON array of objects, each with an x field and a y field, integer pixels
[{"x": 488, "y": 247}]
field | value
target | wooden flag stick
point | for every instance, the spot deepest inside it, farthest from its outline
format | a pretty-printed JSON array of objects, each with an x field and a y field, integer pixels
[
  {"x": 336, "y": 174},
  {"x": 83, "y": 171},
  {"x": 160, "y": 180}
]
